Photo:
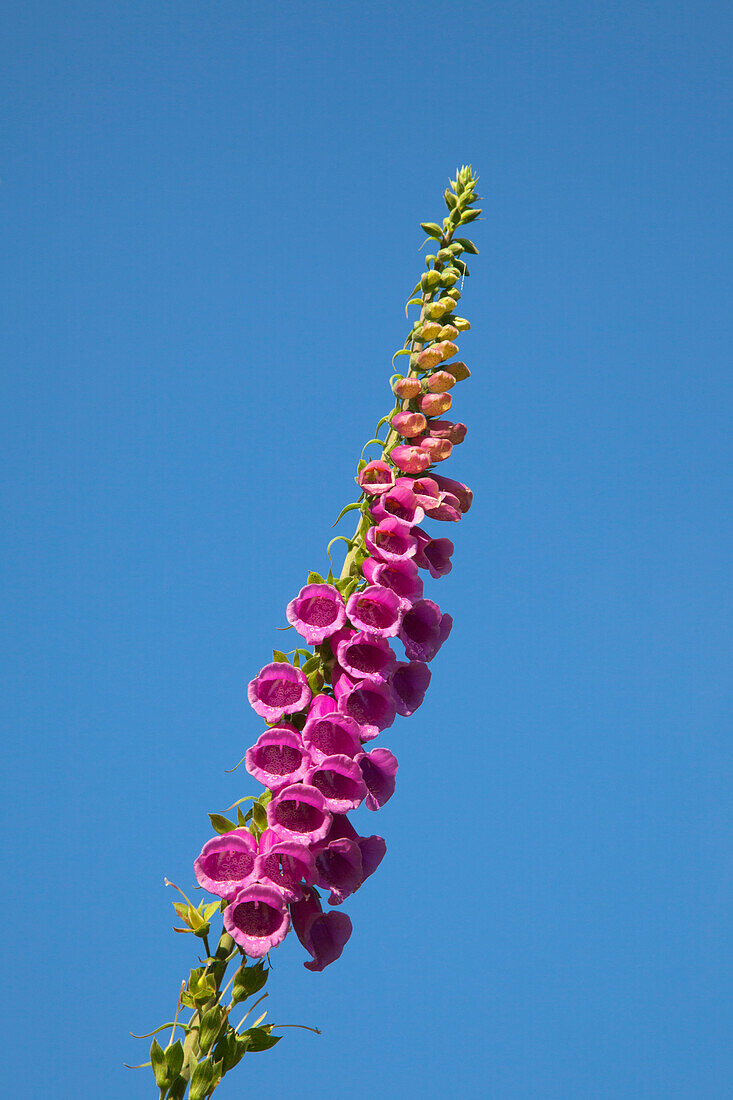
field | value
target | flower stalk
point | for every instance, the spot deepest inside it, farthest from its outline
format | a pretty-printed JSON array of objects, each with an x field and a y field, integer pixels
[{"x": 322, "y": 703}]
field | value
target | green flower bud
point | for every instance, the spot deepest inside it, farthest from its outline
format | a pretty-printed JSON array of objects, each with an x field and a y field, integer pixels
[
  {"x": 444, "y": 256},
  {"x": 430, "y": 280},
  {"x": 453, "y": 293},
  {"x": 449, "y": 277},
  {"x": 461, "y": 323},
  {"x": 447, "y": 303},
  {"x": 429, "y": 331},
  {"x": 435, "y": 310}
]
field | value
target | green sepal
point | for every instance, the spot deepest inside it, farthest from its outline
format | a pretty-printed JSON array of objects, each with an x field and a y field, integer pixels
[
  {"x": 229, "y": 1050},
  {"x": 178, "y": 1089},
  {"x": 315, "y": 578},
  {"x": 259, "y": 1038},
  {"x": 315, "y": 681},
  {"x": 174, "y": 1059},
  {"x": 470, "y": 216},
  {"x": 432, "y": 229},
  {"x": 279, "y": 657},
  {"x": 467, "y": 246},
  {"x": 202, "y": 1080},
  {"x": 311, "y": 664},
  {"x": 210, "y": 1026},
  {"x": 359, "y": 467},
  {"x": 221, "y": 824},
  {"x": 296, "y": 659},
  {"x": 259, "y": 817},
  {"x": 241, "y": 819},
  {"x": 249, "y": 980},
  {"x": 158, "y": 1062}
]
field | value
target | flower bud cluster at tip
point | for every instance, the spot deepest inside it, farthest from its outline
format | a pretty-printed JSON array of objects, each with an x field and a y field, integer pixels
[{"x": 322, "y": 713}]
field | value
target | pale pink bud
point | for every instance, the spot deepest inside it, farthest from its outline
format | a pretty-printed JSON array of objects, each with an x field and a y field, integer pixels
[
  {"x": 434, "y": 404},
  {"x": 409, "y": 459},
  {"x": 438, "y": 449},
  {"x": 446, "y": 348},
  {"x": 406, "y": 388},
  {"x": 440, "y": 382},
  {"x": 409, "y": 423},
  {"x": 429, "y": 358},
  {"x": 459, "y": 370},
  {"x": 444, "y": 429}
]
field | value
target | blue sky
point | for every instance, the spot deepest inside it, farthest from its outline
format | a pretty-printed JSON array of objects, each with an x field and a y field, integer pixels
[{"x": 210, "y": 224}]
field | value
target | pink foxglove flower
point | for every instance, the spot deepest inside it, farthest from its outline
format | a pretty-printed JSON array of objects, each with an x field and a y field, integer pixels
[
  {"x": 409, "y": 683},
  {"x": 424, "y": 629},
  {"x": 366, "y": 656},
  {"x": 376, "y": 610},
  {"x": 286, "y": 863},
  {"x": 323, "y": 935},
  {"x": 317, "y": 612},
  {"x": 340, "y": 781},
  {"x": 376, "y": 477},
  {"x": 278, "y": 757},
  {"x": 401, "y": 577},
  {"x": 372, "y": 705},
  {"x": 278, "y": 689},
  {"x": 399, "y": 503},
  {"x": 433, "y": 554},
  {"x": 328, "y": 732},
  {"x": 379, "y": 768},
  {"x": 391, "y": 540},
  {"x": 299, "y": 813},
  {"x": 257, "y": 918},
  {"x": 227, "y": 863}
]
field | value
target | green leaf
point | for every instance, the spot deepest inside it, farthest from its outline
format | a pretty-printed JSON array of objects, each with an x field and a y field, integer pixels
[
  {"x": 265, "y": 798},
  {"x": 279, "y": 657},
  {"x": 221, "y": 824},
  {"x": 241, "y": 819},
  {"x": 202, "y": 1080},
  {"x": 210, "y": 909},
  {"x": 344, "y": 510},
  {"x": 296, "y": 659},
  {"x": 432, "y": 229},
  {"x": 174, "y": 1059},
  {"x": 259, "y": 1038},
  {"x": 315, "y": 578},
  {"x": 158, "y": 1062},
  {"x": 468, "y": 246}
]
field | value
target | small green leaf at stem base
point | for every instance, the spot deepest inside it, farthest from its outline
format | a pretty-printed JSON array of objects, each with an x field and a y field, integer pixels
[
  {"x": 221, "y": 824},
  {"x": 259, "y": 1038}
]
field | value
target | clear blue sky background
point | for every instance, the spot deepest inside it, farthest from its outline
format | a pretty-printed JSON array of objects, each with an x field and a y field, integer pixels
[{"x": 210, "y": 228}]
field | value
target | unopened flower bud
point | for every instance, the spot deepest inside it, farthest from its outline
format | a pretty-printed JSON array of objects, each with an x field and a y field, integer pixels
[
  {"x": 444, "y": 256},
  {"x": 430, "y": 280},
  {"x": 434, "y": 404},
  {"x": 445, "y": 429},
  {"x": 449, "y": 277},
  {"x": 453, "y": 293},
  {"x": 448, "y": 303},
  {"x": 461, "y": 324},
  {"x": 409, "y": 459},
  {"x": 459, "y": 370},
  {"x": 406, "y": 388},
  {"x": 448, "y": 332},
  {"x": 438, "y": 449},
  {"x": 446, "y": 348},
  {"x": 435, "y": 310},
  {"x": 408, "y": 424},
  {"x": 440, "y": 382},
  {"x": 429, "y": 331},
  {"x": 429, "y": 357}
]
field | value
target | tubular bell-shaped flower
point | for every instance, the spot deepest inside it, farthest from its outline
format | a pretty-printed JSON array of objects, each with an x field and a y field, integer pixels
[
  {"x": 286, "y": 863},
  {"x": 278, "y": 689},
  {"x": 327, "y": 732},
  {"x": 391, "y": 540},
  {"x": 378, "y": 768},
  {"x": 366, "y": 656},
  {"x": 317, "y": 612},
  {"x": 299, "y": 812},
  {"x": 323, "y": 935},
  {"x": 227, "y": 863},
  {"x": 424, "y": 629},
  {"x": 399, "y": 503},
  {"x": 278, "y": 757},
  {"x": 257, "y": 918},
  {"x": 340, "y": 781},
  {"x": 372, "y": 705},
  {"x": 433, "y": 554},
  {"x": 376, "y": 610},
  {"x": 409, "y": 682}
]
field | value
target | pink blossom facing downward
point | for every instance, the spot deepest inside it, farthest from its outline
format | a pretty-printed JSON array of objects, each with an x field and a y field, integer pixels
[
  {"x": 278, "y": 689},
  {"x": 366, "y": 656},
  {"x": 411, "y": 460},
  {"x": 424, "y": 629},
  {"x": 391, "y": 540},
  {"x": 433, "y": 554},
  {"x": 323, "y": 935},
  {"x": 317, "y": 612},
  {"x": 257, "y": 919},
  {"x": 409, "y": 683},
  {"x": 379, "y": 769},
  {"x": 340, "y": 781},
  {"x": 286, "y": 863},
  {"x": 330, "y": 733}
]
